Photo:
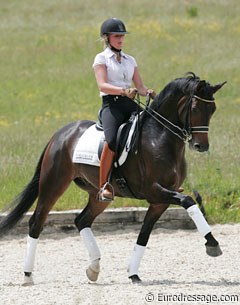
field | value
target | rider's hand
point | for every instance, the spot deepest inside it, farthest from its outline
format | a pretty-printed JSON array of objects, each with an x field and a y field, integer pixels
[
  {"x": 151, "y": 93},
  {"x": 130, "y": 93}
]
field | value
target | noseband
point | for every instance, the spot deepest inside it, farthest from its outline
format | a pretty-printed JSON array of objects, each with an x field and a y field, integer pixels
[{"x": 185, "y": 134}]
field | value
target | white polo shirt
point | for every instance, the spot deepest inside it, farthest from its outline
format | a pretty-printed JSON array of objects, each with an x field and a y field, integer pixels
[{"x": 118, "y": 74}]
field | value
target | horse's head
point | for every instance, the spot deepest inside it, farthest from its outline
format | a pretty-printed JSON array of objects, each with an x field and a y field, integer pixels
[
  {"x": 184, "y": 107},
  {"x": 201, "y": 109}
]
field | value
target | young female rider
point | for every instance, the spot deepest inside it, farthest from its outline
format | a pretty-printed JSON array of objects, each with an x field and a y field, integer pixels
[{"x": 115, "y": 71}]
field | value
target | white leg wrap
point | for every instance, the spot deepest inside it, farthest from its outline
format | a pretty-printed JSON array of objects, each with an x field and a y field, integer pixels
[
  {"x": 199, "y": 220},
  {"x": 30, "y": 254},
  {"x": 138, "y": 252},
  {"x": 91, "y": 244}
]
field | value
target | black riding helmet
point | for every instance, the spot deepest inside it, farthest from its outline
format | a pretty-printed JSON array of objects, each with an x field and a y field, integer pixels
[{"x": 113, "y": 26}]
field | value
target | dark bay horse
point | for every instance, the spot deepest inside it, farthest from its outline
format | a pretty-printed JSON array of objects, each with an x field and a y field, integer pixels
[{"x": 180, "y": 113}]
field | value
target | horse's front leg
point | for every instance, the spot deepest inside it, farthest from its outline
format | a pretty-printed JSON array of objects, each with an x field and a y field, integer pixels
[
  {"x": 153, "y": 213},
  {"x": 187, "y": 202}
]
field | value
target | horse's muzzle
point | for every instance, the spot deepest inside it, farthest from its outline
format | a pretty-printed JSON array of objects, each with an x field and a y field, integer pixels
[{"x": 198, "y": 146}]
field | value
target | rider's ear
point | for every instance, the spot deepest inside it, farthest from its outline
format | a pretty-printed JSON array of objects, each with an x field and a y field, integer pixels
[{"x": 218, "y": 86}]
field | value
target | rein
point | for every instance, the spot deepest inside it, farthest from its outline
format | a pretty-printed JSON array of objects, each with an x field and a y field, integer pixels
[{"x": 184, "y": 134}]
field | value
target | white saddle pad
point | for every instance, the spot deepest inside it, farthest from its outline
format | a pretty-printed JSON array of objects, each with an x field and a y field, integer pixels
[{"x": 86, "y": 151}]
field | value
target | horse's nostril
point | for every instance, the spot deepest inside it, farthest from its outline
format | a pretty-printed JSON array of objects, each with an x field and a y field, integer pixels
[{"x": 199, "y": 147}]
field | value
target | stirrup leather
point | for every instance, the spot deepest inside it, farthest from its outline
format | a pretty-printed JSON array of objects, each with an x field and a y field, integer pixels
[{"x": 101, "y": 196}]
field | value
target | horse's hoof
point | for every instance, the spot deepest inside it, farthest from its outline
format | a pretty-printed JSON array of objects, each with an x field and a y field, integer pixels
[
  {"x": 213, "y": 251},
  {"x": 135, "y": 279},
  {"x": 91, "y": 274},
  {"x": 27, "y": 281},
  {"x": 93, "y": 270}
]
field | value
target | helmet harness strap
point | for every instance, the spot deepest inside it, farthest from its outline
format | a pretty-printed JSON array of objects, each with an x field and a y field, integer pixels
[{"x": 111, "y": 47}]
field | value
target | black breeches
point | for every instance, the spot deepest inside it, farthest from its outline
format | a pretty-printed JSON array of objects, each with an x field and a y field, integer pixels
[{"x": 115, "y": 111}]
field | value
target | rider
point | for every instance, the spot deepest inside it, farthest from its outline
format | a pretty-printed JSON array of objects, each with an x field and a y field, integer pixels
[{"x": 115, "y": 71}]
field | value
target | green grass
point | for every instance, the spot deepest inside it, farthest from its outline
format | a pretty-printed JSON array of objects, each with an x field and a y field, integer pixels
[{"x": 46, "y": 53}]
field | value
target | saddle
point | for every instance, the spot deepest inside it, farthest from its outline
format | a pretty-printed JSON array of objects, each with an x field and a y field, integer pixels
[
  {"x": 126, "y": 138},
  {"x": 90, "y": 145}
]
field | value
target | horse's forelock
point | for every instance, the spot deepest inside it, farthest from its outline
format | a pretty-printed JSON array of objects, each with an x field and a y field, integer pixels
[{"x": 188, "y": 84}]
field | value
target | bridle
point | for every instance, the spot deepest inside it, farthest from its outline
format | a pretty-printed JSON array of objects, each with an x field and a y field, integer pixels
[
  {"x": 196, "y": 129},
  {"x": 185, "y": 134},
  {"x": 200, "y": 129}
]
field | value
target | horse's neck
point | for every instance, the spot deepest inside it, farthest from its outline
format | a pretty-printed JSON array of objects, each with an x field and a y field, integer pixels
[
  {"x": 155, "y": 130},
  {"x": 169, "y": 109},
  {"x": 159, "y": 138}
]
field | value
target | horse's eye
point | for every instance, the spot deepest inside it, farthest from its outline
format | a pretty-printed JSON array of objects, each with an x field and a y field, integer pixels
[{"x": 195, "y": 110}]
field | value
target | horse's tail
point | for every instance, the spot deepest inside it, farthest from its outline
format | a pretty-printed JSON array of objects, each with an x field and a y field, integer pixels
[{"x": 22, "y": 203}]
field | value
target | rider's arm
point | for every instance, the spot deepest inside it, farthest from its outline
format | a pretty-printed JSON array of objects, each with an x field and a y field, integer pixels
[
  {"x": 142, "y": 90},
  {"x": 103, "y": 85}
]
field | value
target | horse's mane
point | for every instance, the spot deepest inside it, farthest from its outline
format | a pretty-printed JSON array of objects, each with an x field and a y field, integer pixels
[{"x": 186, "y": 85}]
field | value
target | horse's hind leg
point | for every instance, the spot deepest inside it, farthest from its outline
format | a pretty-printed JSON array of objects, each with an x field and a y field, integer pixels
[
  {"x": 51, "y": 188},
  {"x": 152, "y": 215},
  {"x": 84, "y": 222}
]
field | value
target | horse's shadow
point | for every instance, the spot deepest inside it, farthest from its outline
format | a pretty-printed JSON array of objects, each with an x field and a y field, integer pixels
[{"x": 222, "y": 282}]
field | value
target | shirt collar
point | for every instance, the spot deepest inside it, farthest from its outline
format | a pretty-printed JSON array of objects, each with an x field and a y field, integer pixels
[{"x": 110, "y": 53}]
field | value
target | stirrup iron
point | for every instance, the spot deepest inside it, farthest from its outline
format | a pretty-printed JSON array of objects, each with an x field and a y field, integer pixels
[{"x": 101, "y": 196}]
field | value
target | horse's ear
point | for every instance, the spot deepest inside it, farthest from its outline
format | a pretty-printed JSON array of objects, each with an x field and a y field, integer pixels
[
  {"x": 200, "y": 85},
  {"x": 218, "y": 86}
]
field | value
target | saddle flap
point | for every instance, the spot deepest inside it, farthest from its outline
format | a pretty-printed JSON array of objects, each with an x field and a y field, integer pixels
[{"x": 125, "y": 139}]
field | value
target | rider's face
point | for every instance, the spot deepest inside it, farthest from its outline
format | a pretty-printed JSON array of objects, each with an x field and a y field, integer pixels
[{"x": 116, "y": 40}]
